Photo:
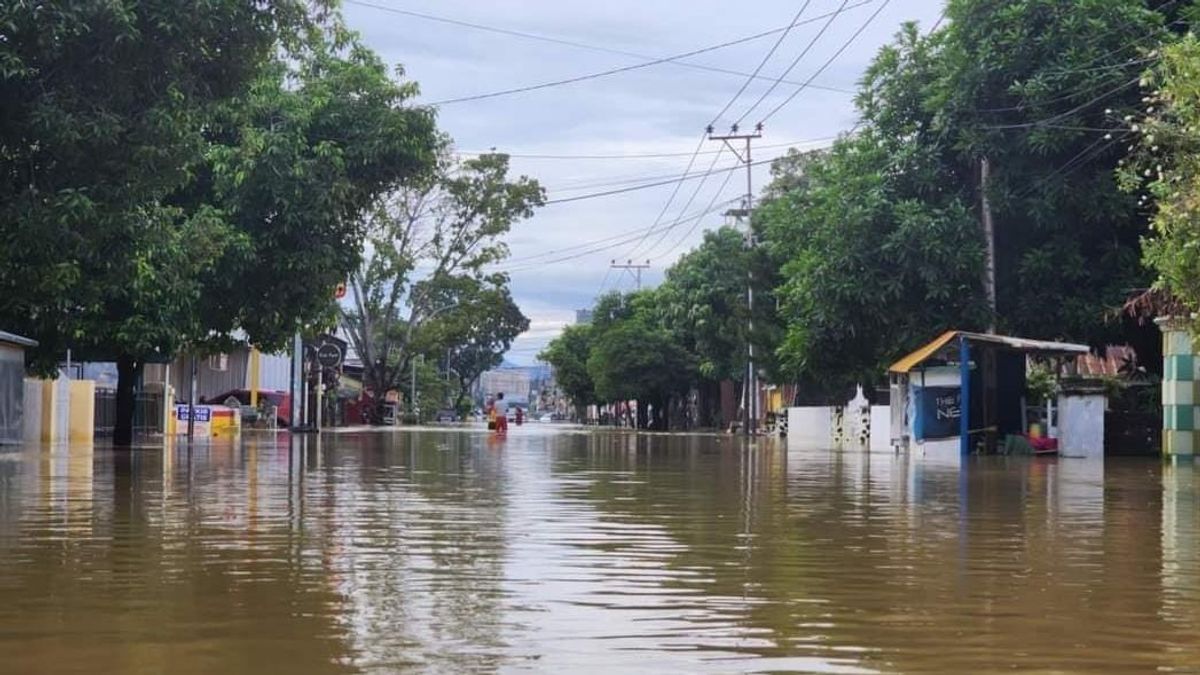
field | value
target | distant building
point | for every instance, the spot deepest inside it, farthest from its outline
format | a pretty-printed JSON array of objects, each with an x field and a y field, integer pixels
[
  {"x": 514, "y": 382},
  {"x": 583, "y": 316}
]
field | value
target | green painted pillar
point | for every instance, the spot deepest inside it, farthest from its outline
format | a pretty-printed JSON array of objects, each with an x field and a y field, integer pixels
[{"x": 1181, "y": 379}]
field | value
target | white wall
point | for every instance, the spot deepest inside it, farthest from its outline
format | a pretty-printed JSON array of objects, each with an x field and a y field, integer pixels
[
  {"x": 881, "y": 427},
  {"x": 32, "y": 421},
  {"x": 810, "y": 427},
  {"x": 944, "y": 450}
]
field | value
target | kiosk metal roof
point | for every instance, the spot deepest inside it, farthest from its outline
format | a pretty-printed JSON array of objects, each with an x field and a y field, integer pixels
[{"x": 927, "y": 352}]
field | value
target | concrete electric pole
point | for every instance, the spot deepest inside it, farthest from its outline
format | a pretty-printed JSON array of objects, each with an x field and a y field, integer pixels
[
  {"x": 750, "y": 398},
  {"x": 633, "y": 268}
]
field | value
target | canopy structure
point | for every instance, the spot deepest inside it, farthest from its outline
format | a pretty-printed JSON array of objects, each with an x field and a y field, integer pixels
[
  {"x": 946, "y": 345},
  {"x": 968, "y": 386}
]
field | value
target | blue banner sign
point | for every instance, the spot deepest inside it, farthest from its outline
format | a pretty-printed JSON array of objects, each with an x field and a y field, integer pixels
[
  {"x": 938, "y": 412},
  {"x": 203, "y": 413}
]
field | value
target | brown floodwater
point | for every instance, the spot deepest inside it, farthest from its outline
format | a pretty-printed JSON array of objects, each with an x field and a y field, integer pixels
[{"x": 562, "y": 550}]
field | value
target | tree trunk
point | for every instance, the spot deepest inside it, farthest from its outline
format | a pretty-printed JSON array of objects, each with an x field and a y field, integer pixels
[{"x": 123, "y": 425}]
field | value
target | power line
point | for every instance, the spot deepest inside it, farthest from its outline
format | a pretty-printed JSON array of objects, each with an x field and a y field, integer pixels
[
  {"x": 625, "y": 179},
  {"x": 681, "y": 240},
  {"x": 1080, "y": 159},
  {"x": 683, "y": 210},
  {"x": 624, "y": 69},
  {"x": 827, "y": 63},
  {"x": 656, "y": 155},
  {"x": 1068, "y": 113},
  {"x": 1087, "y": 89},
  {"x": 696, "y": 151},
  {"x": 763, "y": 62},
  {"x": 646, "y": 186},
  {"x": 588, "y": 185},
  {"x": 599, "y": 249},
  {"x": 795, "y": 62},
  {"x": 576, "y": 44}
]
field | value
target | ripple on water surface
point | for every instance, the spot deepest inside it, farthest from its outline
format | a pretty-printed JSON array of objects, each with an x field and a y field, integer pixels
[{"x": 558, "y": 550}]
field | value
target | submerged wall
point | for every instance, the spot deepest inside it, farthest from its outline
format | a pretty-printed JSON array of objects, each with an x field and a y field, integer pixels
[{"x": 12, "y": 392}]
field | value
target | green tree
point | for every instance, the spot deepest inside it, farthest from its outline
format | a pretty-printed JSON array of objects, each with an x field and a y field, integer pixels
[
  {"x": 1035, "y": 86},
  {"x": 702, "y": 303},
  {"x": 426, "y": 239},
  {"x": 295, "y": 166},
  {"x": 878, "y": 238},
  {"x": 632, "y": 360},
  {"x": 167, "y": 179},
  {"x": 104, "y": 107},
  {"x": 473, "y": 337},
  {"x": 568, "y": 355},
  {"x": 1165, "y": 168}
]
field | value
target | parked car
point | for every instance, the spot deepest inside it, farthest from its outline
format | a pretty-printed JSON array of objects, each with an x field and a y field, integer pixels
[
  {"x": 282, "y": 401},
  {"x": 446, "y": 415}
]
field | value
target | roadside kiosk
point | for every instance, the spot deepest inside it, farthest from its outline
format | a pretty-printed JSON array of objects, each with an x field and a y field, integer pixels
[{"x": 965, "y": 392}]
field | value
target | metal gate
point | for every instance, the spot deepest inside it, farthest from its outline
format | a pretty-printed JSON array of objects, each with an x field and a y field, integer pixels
[{"x": 147, "y": 412}]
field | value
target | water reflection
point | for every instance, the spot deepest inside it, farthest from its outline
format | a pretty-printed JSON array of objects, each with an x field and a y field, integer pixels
[{"x": 555, "y": 550}]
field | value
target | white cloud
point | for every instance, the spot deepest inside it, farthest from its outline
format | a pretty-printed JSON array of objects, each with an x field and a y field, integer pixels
[{"x": 660, "y": 109}]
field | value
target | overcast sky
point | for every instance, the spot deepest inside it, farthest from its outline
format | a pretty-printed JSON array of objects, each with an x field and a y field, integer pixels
[{"x": 660, "y": 109}]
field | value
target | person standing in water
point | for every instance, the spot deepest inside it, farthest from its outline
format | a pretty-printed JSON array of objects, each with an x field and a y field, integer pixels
[{"x": 501, "y": 408}]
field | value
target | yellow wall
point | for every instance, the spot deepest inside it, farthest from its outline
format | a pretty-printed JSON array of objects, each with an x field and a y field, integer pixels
[
  {"x": 82, "y": 424},
  {"x": 50, "y": 412}
]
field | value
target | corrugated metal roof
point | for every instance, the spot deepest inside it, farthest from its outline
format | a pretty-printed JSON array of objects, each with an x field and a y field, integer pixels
[
  {"x": 17, "y": 340},
  {"x": 923, "y": 354},
  {"x": 914, "y": 359}
]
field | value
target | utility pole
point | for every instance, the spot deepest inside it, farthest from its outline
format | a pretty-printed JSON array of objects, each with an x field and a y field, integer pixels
[
  {"x": 750, "y": 399},
  {"x": 633, "y": 268},
  {"x": 412, "y": 403},
  {"x": 989, "y": 237}
]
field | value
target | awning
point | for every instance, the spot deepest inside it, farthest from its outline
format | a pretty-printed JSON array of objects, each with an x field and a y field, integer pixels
[
  {"x": 9, "y": 338},
  {"x": 1045, "y": 347}
]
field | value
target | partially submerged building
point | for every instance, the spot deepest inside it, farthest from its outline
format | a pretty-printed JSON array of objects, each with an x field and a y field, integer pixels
[
  {"x": 12, "y": 385},
  {"x": 965, "y": 392}
]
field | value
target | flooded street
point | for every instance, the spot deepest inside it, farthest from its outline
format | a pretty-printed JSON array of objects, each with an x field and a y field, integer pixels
[{"x": 568, "y": 551}]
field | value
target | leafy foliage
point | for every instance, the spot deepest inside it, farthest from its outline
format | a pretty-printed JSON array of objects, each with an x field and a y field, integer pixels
[
  {"x": 568, "y": 354},
  {"x": 428, "y": 241},
  {"x": 1166, "y": 165},
  {"x": 296, "y": 166},
  {"x": 633, "y": 360},
  {"x": 878, "y": 239},
  {"x": 174, "y": 172},
  {"x": 102, "y": 119},
  {"x": 473, "y": 337}
]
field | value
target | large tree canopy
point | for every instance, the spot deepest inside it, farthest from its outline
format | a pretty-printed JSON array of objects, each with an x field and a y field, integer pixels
[
  {"x": 879, "y": 239},
  {"x": 471, "y": 338},
  {"x": 425, "y": 241},
  {"x": 1165, "y": 169},
  {"x": 172, "y": 173}
]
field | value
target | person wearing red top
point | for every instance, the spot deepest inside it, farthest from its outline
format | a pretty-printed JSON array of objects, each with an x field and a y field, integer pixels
[{"x": 501, "y": 408}]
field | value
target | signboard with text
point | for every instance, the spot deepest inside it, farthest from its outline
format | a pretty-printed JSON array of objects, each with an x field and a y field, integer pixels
[
  {"x": 202, "y": 413},
  {"x": 938, "y": 413}
]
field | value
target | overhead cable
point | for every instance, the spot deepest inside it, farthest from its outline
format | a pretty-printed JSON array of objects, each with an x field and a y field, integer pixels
[
  {"x": 827, "y": 63},
  {"x": 655, "y": 155},
  {"x": 624, "y": 69},
  {"x": 763, "y": 62},
  {"x": 795, "y": 62},
  {"x": 598, "y": 249},
  {"x": 571, "y": 43},
  {"x": 683, "y": 209}
]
